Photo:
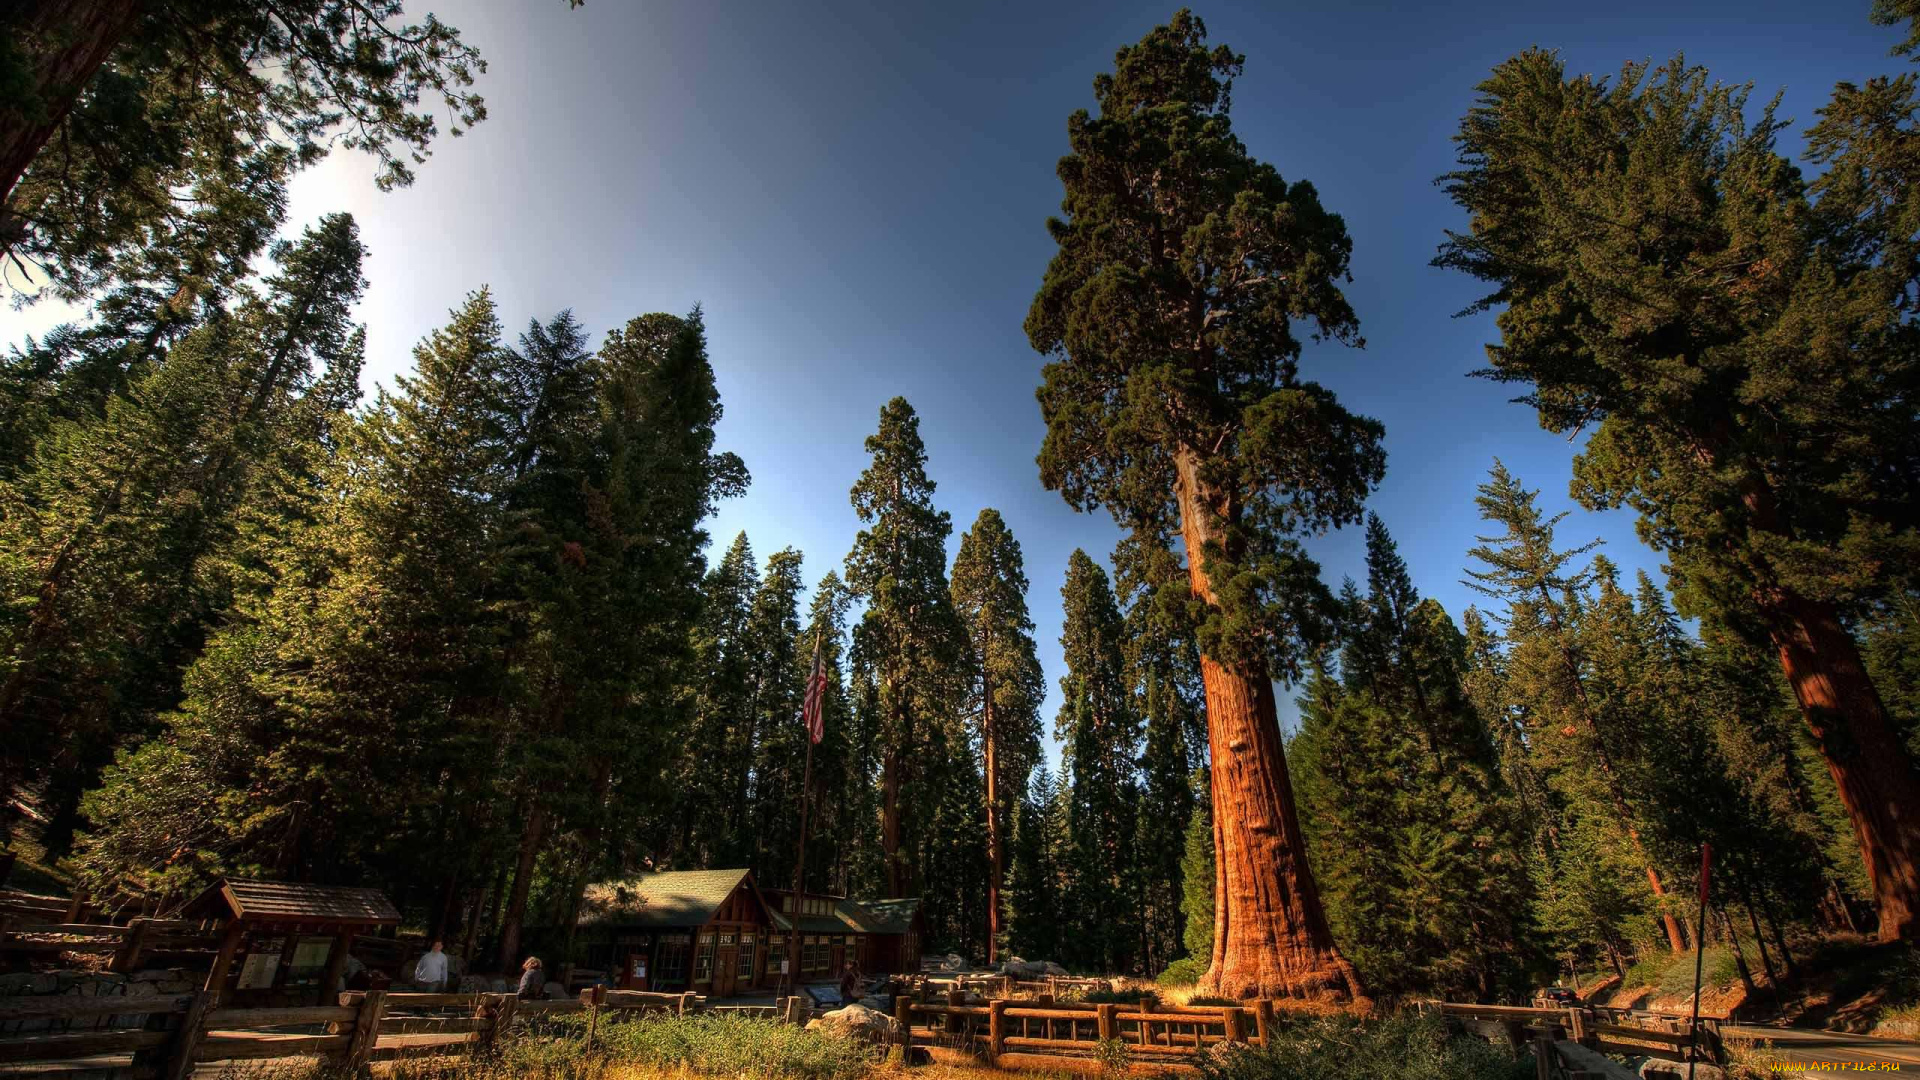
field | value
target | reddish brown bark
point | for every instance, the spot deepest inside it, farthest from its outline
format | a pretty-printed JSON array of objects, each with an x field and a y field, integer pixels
[
  {"x": 890, "y": 821},
  {"x": 1869, "y": 765},
  {"x": 1270, "y": 933},
  {"x": 531, "y": 834},
  {"x": 65, "y": 42},
  {"x": 993, "y": 824}
]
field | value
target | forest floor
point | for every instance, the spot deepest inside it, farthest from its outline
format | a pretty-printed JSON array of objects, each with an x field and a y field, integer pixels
[
  {"x": 1841, "y": 983},
  {"x": 31, "y": 870}
]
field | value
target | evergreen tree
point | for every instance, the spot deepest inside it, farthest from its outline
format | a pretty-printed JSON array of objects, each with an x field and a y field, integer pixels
[
  {"x": 1591, "y": 751},
  {"x": 1034, "y": 896},
  {"x": 990, "y": 599},
  {"x": 1101, "y": 733},
  {"x": 1173, "y": 398},
  {"x": 908, "y": 632},
  {"x": 104, "y": 531},
  {"x": 717, "y": 752},
  {"x": 1163, "y": 672},
  {"x": 1742, "y": 339},
  {"x": 372, "y": 666},
  {"x": 1197, "y": 878}
]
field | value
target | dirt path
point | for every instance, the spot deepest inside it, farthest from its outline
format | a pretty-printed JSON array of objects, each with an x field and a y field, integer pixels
[{"x": 1803, "y": 1046}]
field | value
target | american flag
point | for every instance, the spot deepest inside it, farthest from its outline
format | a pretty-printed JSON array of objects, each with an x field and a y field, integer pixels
[{"x": 813, "y": 711}]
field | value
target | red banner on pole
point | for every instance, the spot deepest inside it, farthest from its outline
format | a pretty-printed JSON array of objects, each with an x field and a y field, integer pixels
[{"x": 1706, "y": 871}]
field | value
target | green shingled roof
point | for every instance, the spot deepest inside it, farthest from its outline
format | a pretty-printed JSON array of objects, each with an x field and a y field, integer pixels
[
  {"x": 676, "y": 898},
  {"x": 838, "y": 923},
  {"x": 880, "y": 916}
]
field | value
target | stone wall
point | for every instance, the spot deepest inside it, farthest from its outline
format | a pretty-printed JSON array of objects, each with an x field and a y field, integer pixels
[{"x": 95, "y": 984}]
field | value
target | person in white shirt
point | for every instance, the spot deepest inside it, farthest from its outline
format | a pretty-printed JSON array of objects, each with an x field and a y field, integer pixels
[{"x": 431, "y": 971}]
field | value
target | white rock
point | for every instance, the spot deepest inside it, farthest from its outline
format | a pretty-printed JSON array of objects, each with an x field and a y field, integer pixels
[{"x": 858, "y": 1021}]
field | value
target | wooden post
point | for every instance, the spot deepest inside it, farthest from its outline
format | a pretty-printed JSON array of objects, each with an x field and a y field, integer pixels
[
  {"x": 336, "y": 963},
  {"x": 1263, "y": 1020},
  {"x": 366, "y": 1030},
  {"x": 1516, "y": 1034},
  {"x": 77, "y": 907},
  {"x": 686, "y": 1003},
  {"x": 1103, "y": 1015},
  {"x": 996, "y": 1027},
  {"x": 903, "y": 1012},
  {"x": 596, "y": 997},
  {"x": 223, "y": 960},
  {"x": 504, "y": 1008},
  {"x": 1543, "y": 1057},
  {"x": 1236, "y": 1024},
  {"x": 127, "y": 956},
  {"x": 1577, "y": 1026},
  {"x": 187, "y": 1040},
  {"x": 193, "y": 1025},
  {"x": 956, "y": 997}
]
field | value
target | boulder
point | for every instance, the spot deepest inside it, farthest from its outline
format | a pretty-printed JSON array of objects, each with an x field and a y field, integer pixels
[
  {"x": 1655, "y": 1069},
  {"x": 472, "y": 984},
  {"x": 557, "y": 991},
  {"x": 858, "y": 1021}
]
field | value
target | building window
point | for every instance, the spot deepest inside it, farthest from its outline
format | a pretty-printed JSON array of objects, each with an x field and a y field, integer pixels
[
  {"x": 673, "y": 959},
  {"x": 815, "y": 954},
  {"x": 703, "y": 960},
  {"x": 745, "y": 969},
  {"x": 786, "y": 904}
]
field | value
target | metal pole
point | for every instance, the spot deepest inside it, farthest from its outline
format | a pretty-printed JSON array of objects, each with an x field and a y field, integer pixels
[{"x": 1699, "y": 955}]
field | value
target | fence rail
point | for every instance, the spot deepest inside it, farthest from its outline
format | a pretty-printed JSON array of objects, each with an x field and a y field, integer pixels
[
  {"x": 1575, "y": 1039},
  {"x": 166, "y": 1037},
  {"x": 1066, "y": 1034}
]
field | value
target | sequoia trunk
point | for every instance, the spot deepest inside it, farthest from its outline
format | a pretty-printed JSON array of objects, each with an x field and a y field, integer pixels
[
  {"x": 1270, "y": 934},
  {"x": 890, "y": 820},
  {"x": 63, "y": 43},
  {"x": 993, "y": 828},
  {"x": 1869, "y": 765},
  {"x": 531, "y": 835}
]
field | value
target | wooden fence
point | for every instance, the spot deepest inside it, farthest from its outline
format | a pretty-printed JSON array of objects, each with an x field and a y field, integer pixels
[
  {"x": 1572, "y": 1041},
  {"x": 142, "y": 941},
  {"x": 1154, "y": 1038},
  {"x": 165, "y": 1038}
]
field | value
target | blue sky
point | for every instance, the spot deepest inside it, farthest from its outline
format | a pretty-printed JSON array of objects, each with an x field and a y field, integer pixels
[{"x": 856, "y": 192}]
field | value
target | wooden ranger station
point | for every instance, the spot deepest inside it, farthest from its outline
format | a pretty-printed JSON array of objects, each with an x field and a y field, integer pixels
[{"x": 715, "y": 932}]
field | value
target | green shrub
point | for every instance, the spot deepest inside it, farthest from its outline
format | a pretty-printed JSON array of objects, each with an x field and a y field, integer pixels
[
  {"x": 710, "y": 1043},
  {"x": 1211, "y": 1001},
  {"x": 1645, "y": 973},
  {"x": 1341, "y": 1047},
  {"x": 1717, "y": 970},
  {"x": 1182, "y": 972}
]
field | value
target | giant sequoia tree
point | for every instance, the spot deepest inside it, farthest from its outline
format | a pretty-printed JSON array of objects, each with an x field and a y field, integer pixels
[
  {"x": 1174, "y": 399},
  {"x": 1744, "y": 344}
]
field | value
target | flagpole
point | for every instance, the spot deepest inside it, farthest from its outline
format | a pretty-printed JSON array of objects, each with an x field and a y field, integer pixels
[{"x": 800, "y": 853}]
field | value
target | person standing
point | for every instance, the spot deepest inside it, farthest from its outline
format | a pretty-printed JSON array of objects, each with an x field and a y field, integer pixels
[
  {"x": 533, "y": 981},
  {"x": 431, "y": 972}
]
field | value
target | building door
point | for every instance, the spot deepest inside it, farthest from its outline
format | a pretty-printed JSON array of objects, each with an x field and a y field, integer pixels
[
  {"x": 747, "y": 971},
  {"x": 723, "y": 972}
]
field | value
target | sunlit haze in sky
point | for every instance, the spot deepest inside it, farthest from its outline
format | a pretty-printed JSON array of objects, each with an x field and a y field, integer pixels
[{"x": 856, "y": 195}]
